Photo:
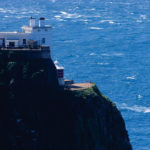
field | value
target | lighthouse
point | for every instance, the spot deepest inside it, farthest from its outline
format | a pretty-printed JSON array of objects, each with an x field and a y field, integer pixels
[
  {"x": 32, "y": 35},
  {"x": 60, "y": 73}
]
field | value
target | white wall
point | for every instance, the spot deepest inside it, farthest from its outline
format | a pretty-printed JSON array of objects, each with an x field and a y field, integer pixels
[
  {"x": 38, "y": 34},
  {"x": 14, "y": 36},
  {"x": 15, "y": 41}
]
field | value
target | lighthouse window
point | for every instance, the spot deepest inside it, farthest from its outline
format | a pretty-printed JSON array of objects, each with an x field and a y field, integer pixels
[
  {"x": 43, "y": 40},
  {"x": 60, "y": 73},
  {"x": 24, "y": 41}
]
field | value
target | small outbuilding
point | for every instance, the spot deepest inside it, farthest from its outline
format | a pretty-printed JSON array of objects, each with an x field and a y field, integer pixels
[{"x": 60, "y": 73}]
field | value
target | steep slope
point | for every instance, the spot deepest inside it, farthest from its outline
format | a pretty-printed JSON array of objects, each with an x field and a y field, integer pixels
[{"x": 36, "y": 114}]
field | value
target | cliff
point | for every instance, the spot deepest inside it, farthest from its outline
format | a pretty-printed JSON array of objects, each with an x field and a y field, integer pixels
[{"x": 36, "y": 114}]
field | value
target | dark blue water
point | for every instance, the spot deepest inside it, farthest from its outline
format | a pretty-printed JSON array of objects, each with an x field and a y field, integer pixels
[{"x": 105, "y": 41}]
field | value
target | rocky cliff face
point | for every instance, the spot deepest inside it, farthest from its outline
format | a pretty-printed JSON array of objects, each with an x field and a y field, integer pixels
[{"x": 36, "y": 114}]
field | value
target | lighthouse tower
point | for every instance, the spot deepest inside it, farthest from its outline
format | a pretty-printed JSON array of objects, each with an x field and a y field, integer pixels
[{"x": 60, "y": 73}]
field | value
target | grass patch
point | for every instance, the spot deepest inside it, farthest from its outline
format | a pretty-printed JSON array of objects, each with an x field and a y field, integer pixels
[{"x": 85, "y": 93}]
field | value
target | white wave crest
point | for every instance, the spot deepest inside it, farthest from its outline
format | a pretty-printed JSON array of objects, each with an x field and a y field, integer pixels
[
  {"x": 2, "y": 10},
  {"x": 135, "y": 108},
  {"x": 143, "y": 16},
  {"x": 109, "y": 21},
  {"x": 102, "y": 63},
  {"x": 92, "y": 54},
  {"x": 112, "y": 54},
  {"x": 57, "y": 16},
  {"x": 139, "y": 96},
  {"x": 96, "y": 28},
  {"x": 69, "y": 15},
  {"x": 131, "y": 77}
]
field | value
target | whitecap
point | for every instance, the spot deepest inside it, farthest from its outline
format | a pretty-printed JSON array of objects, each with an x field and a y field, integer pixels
[
  {"x": 105, "y": 54},
  {"x": 93, "y": 9},
  {"x": 112, "y": 54},
  {"x": 95, "y": 16},
  {"x": 69, "y": 15},
  {"x": 85, "y": 20},
  {"x": 102, "y": 63},
  {"x": 57, "y": 16},
  {"x": 131, "y": 77},
  {"x": 96, "y": 28},
  {"x": 143, "y": 16},
  {"x": 23, "y": 12},
  {"x": 59, "y": 19},
  {"x": 63, "y": 12},
  {"x": 92, "y": 54},
  {"x": 111, "y": 22},
  {"x": 125, "y": 3},
  {"x": 135, "y": 108},
  {"x": 2, "y": 10},
  {"x": 139, "y": 96}
]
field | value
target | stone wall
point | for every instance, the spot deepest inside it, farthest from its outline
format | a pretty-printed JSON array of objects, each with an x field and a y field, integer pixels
[{"x": 43, "y": 52}]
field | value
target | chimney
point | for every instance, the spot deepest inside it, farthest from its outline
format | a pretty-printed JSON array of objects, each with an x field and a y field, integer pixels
[
  {"x": 32, "y": 22},
  {"x": 42, "y": 22}
]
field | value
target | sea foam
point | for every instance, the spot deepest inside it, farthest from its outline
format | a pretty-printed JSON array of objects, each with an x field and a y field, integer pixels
[
  {"x": 135, "y": 108},
  {"x": 69, "y": 15},
  {"x": 96, "y": 28},
  {"x": 131, "y": 77},
  {"x": 112, "y": 54}
]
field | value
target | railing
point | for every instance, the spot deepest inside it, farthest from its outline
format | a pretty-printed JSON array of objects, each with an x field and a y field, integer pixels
[{"x": 25, "y": 48}]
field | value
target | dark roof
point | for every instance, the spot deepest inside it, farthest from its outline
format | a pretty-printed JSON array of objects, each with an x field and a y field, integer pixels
[{"x": 42, "y": 18}]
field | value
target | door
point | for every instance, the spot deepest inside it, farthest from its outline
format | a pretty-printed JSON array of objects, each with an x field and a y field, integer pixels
[{"x": 11, "y": 44}]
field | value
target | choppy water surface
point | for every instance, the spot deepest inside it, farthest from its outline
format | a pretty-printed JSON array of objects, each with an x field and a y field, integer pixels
[{"x": 106, "y": 41}]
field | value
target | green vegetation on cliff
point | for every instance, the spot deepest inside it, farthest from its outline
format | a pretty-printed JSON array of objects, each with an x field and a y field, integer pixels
[
  {"x": 91, "y": 92},
  {"x": 36, "y": 114}
]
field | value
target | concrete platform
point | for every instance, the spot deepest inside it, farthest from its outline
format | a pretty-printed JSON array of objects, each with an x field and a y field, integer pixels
[{"x": 80, "y": 86}]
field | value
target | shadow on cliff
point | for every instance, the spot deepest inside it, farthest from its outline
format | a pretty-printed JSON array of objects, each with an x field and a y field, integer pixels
[{"x": 36, "y": 114}]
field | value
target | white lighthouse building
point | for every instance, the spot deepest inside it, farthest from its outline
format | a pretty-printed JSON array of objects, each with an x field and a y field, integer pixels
[
  {"x": 33, "y": 35},
  {"x": 60, "y": 73},
  {"x": 33, "y": 40}
]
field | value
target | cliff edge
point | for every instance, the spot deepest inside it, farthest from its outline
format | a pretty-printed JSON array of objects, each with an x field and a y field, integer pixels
[{"x": 36, "y": 114}]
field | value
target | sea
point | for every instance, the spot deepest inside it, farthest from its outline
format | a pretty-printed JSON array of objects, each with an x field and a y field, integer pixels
[{"x": 102, "y": 41}]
